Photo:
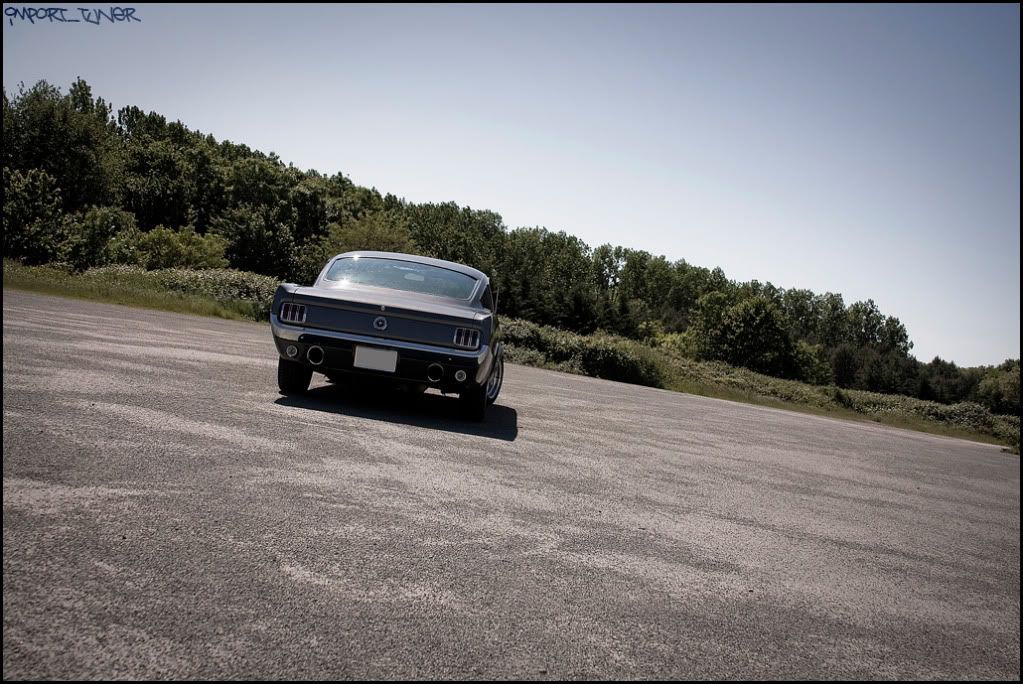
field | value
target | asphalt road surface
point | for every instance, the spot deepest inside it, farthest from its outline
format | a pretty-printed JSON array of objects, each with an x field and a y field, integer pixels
[{"x": 167, "y": 514}]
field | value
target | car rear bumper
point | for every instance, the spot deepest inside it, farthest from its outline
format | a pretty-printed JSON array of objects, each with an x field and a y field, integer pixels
[{"x": 413, "y": 365}]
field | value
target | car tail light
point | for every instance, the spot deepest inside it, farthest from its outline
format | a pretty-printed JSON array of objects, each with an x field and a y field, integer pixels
[
  {"x": 293, "y": 313},
  {"x": 467, "y": 338}
]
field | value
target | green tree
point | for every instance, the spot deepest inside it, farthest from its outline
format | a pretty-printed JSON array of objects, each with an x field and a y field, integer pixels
[
  {"x": 383, "y": 232},
  {"x": 163, "y": 247},
  {"x": 886, "y": 371},
  {"x": 256, "y": 241},
  {"x": 257, "y": 181},
  {"x": 845, "y": 365},
  {"x": 865, "y": 323},
  {"x": 156, "y": 187},
  {"x": 999, "y": 388},
  {"x": 948, "y": 383},
  {"x": 460, "y": 234},
  {"x": 832, "y": 321},
  {"x": 206, "y": 184},
  {"x": 33, "y": 230},
  {"x": 547, "y": 278},
  {"x": 800, "y": 309},
  {"x": 756, "y": 336},
  {"x": 708, "y": 327},
  {"x": 309, "y": 206},
  {"x": 893, "y": 336},
  {"x": 88, "y": 235},
  {"x": 70, "y": 137},
  {"x": 607, "y": 267},
  {"x": 812, "y": 363}
]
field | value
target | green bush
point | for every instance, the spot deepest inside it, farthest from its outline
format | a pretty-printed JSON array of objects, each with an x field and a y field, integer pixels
[
  {"x": 165, "y": 248},
  {"x": 257, "y": 240},
  {"x": 812, "y": 363},
  {"x": 840, "y": 398},
  {"x": 681, "y": 345},
  {"x": 524, "y": 356},
  {"x": 520, "y": 333},
  {"x": 251, "y": 291},
  {"x": 999, "y": 388},
  {"x": 601, "y": 356},
  {"x": 222, "y": 285},
  {"x": 33, "y": 229},
  {"x": 90, "y": 233},
  {"x": 754, "y": 335},
  {"x": 622, "y": 360}
]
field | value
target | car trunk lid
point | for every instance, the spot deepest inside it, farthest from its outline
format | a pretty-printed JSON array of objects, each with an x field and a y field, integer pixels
[{"x": 390, "y": 315}]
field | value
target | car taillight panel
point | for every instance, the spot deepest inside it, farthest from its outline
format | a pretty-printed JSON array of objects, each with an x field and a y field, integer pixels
[
  {"x": 467, "y": 338},
  {"x": 293, "y": 313}
]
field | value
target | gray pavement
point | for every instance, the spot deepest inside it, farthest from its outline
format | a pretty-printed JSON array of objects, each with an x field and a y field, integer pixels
[{"x": 167, "y": 514}]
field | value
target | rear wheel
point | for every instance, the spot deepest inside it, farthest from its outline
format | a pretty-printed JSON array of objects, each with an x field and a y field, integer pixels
[
  {"x": 292, "y": 377},
  {"x": 495, "y": 381}
]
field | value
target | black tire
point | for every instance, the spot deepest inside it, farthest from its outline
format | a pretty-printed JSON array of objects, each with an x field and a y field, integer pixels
[
  {"x": 495, "y": 381},
  {"x": 474, "y": 403},
  {"x": 292, "y": 377}
]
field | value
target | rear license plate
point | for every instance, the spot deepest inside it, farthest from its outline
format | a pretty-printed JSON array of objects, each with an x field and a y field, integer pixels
[{"x": 372, "y": 358}]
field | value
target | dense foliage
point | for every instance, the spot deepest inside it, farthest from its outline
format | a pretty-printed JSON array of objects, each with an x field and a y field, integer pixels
[{"x": 87, "y": 187}]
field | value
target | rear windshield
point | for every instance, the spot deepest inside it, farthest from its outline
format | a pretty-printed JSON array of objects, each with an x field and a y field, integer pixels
[{"x": 402, "y": 275}]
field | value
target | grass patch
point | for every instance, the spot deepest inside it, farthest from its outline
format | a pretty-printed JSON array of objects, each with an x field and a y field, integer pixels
[
  {"x": 222, "y": 293},
  {"x": 231, "y": 294},
  {"x": 599, "y": 356}
]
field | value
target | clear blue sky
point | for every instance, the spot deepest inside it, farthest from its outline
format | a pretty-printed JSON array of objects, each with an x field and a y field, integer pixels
[{"x": 872, "y": 151}]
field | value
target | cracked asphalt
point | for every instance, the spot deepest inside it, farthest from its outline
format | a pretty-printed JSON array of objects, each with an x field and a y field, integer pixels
[{"x": 167, "y": 514}]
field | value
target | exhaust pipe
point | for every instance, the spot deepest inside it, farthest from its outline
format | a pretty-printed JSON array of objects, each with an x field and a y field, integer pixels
[
  {"x": 434, "y": 372},
  {"x": 315, "y": 355}
]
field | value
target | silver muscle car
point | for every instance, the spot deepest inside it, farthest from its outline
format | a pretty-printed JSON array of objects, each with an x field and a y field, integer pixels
[{"x": 409, "y": 320}]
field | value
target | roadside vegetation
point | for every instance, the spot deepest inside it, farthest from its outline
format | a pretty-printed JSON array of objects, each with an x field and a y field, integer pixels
[
  {"x": 223, "y": 293},
  {"x": 232, "y": 294},
  {"x": 130, "y": 206},
  {"x": 660, "y": 364}
]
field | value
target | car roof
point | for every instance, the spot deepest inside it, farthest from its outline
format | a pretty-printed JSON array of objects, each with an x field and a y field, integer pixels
[{"x": 450, "y": 265}]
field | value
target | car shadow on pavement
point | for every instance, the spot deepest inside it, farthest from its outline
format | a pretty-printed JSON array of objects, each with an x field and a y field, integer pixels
[{"x": 425, "y": 410}]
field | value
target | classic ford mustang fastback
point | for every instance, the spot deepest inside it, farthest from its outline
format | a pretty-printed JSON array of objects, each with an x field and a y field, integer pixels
[{"x": 410, "y": 320}]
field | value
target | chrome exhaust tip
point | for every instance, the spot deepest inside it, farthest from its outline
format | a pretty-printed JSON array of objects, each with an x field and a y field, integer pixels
[
  {"x": 434, "y": 372},
  {"x": 315, "y": 355}
]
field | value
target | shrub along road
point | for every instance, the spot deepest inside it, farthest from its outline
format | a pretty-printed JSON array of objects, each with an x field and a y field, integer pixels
[{"x": 168, "y": 515}]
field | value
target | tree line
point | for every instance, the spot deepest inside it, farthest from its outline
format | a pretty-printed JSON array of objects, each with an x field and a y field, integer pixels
[{"x": 86, "y": 186}]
